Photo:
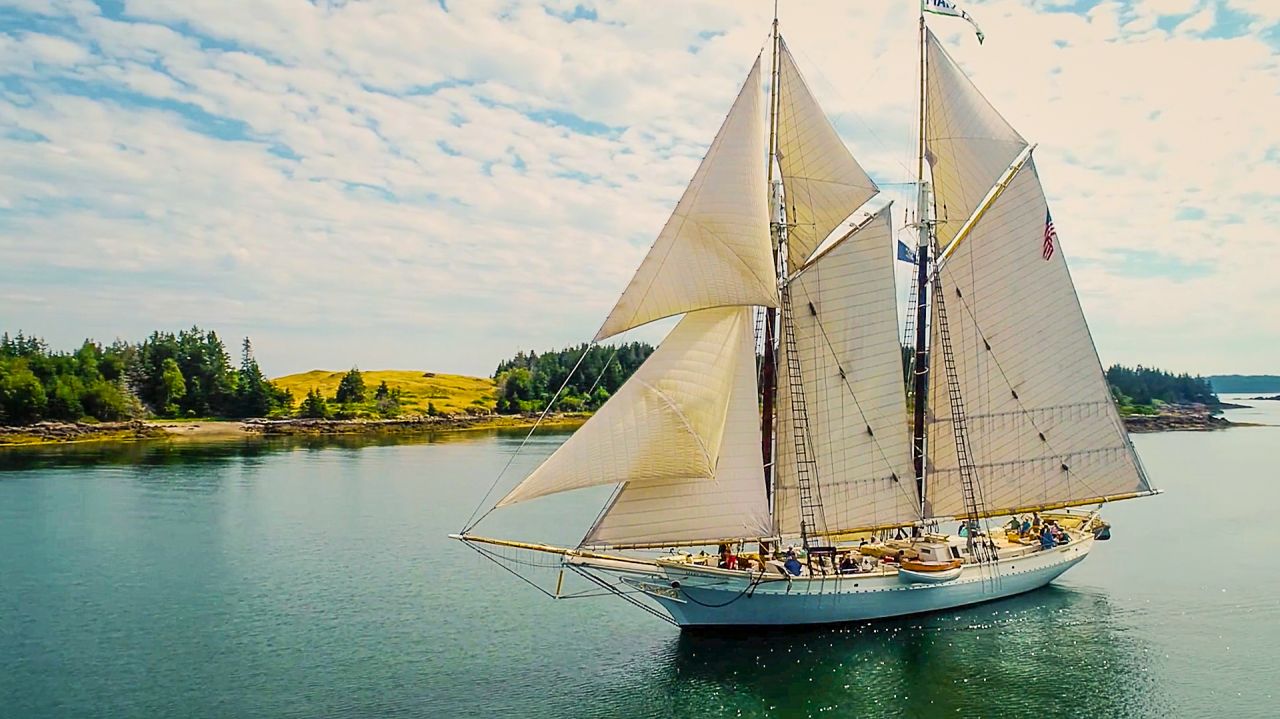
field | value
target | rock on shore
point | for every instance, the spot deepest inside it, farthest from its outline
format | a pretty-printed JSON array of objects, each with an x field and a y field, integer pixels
[
  {"x": 1177, "y": 418},
  {"x": 42, "y": 432}
]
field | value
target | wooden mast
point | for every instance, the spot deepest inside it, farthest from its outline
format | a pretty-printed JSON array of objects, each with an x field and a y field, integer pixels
[
  {"x": 768, "y": 371},
  {"x": 924, "y": 228}
]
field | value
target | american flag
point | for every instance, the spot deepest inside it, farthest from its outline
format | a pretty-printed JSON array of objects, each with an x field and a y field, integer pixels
[{"x": 1050, "y": 237}]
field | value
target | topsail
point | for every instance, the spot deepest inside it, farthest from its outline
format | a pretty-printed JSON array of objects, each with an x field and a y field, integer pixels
[
  {"x": 824, "y": 184},
  {"x": 967, "y": 143}
]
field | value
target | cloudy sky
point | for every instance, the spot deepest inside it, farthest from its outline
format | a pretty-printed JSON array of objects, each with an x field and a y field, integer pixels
[{"x": 423, "y": 184}]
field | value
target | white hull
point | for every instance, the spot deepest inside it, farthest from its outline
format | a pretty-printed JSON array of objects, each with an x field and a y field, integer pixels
[{"x": 702, "y": 597}]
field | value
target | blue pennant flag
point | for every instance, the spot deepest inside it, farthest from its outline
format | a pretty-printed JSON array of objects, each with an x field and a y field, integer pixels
[{"x": 906, "y": 254}]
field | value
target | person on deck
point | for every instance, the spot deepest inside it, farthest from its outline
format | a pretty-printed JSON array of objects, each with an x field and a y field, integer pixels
[
  {"x": 792, "y": 565},
  {"x": 1046, "y": 538},
  {"x": 727, "y": 558},
  {"x": 1026, "y": 527},
  {"x": 847, "y": 565}
]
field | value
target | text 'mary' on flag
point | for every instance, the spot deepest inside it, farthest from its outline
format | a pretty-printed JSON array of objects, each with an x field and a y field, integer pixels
[{"x": 948, "y": 8}]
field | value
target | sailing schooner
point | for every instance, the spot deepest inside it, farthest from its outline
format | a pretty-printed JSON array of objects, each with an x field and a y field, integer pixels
[{"x": 774, "y": 413}]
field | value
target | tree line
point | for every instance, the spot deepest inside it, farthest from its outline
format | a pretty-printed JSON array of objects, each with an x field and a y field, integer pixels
[
  {"x": 183, "y": 374},
  {"x": 1145, "y": 385},
  {"x": 527, "y": 381}
]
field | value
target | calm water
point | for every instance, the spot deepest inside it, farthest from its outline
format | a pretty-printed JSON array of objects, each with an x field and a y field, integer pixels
[{"x": 315, "y": 580}]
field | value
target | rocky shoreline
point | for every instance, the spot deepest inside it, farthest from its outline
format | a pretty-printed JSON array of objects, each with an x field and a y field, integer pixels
[
  {"x": 422, "y": 423},
  {"x": 60, "y": 432},
  {"x": 213, "y": 430}
]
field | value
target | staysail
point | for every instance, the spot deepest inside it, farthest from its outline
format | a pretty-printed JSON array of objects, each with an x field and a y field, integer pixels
[
  {"x": 967, "y": 143},
  {"x": 715, "y": 249},
  {"x": 687, "y": 509},
  {"x": 665, "y": 423},
  {"x": 845, "y": 324},
  {"x": 824, "y": 184}
]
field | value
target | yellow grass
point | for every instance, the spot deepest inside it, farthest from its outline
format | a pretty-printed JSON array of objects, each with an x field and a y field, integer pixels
[{"x": 450, "y": 393}]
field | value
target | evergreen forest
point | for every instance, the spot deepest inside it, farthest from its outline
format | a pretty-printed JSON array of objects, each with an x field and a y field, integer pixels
[
  {"x": 1144, "y": 386},
  {"x": 183, "y": 374},
  {"x": 528, "y": 381}
]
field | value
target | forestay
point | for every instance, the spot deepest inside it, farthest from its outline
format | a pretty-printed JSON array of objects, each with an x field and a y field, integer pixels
[
  {"x": 968, "y": 144},
  {"x": 715, "y": 249},
  {"x": 824, "y": 184},
  {"x": 1040, "y": 417},
  {"x": 846, "y": 331},
  {"x": 667, "y": 423},
  {"x": 686, "y": 509}
]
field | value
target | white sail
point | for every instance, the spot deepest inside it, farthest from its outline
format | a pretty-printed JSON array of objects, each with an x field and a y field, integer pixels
[
  {"x": 715, "y": 249},
  {"x": 689, "y": 509},
  {"x": 968, "y": 144},
  {"x": 824, "y": 184},
  {"x": 665, "y": 423},
  {"x": 845, "y": 320},
  {"x": 1040, "y": 417}
]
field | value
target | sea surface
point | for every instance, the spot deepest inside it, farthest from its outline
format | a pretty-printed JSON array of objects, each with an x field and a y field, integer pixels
[{"x": 314, "y": 578}]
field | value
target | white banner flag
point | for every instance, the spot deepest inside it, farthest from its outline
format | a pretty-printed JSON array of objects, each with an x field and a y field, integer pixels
[{"x": 946, "y": 7}]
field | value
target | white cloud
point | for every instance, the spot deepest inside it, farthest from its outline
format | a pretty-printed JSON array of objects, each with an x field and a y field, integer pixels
[{"x": 438, "y": 205}]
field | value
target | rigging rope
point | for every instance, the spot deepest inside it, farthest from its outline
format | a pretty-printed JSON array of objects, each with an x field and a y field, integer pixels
[{"x": 469, "y": 523}]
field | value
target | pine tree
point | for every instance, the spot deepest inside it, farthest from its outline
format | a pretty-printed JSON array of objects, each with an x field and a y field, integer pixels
[
  {"x": 314, "y": 406},
  {"x": 351, "y": 387},
  {"x": 253, "y": 392}
]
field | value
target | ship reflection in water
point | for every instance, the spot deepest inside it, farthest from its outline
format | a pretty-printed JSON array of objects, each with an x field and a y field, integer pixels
[{"x": 1056, "y": 647}]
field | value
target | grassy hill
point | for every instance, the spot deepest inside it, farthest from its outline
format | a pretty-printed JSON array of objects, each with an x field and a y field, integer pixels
[{"x": 450, "y": 393}]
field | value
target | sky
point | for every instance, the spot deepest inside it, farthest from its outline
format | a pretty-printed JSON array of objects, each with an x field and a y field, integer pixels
[{"x": 437, "y": 184}]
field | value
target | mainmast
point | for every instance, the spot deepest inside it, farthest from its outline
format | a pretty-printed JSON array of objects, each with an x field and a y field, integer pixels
[
  {"x": 768, "y": 371},
  {"x": 924, "y": 231}
]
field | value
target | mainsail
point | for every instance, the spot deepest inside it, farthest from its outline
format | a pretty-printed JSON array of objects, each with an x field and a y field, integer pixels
[
  {"x": 1039, "y": 415},
  {"x": 845, "y": 325},
  {"x": 715, "y": 249},
  {"x": 824, "y": 184}
]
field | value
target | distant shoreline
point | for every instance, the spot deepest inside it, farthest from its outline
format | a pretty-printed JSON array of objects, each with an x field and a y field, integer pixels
[{"x": 51, "y": 433}]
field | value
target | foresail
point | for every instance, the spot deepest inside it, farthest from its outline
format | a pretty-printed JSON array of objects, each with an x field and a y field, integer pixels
[
  {"x": 689, "y": 509},
  {"x": 845, "y": 322},
  {"x": 824, "y": 184},
  {"x": 715, "y": 249},
  {"x": 1040, "y": 417},
  {"x": 666, "y": 422},
  {"x": 968, "y": 144}
]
